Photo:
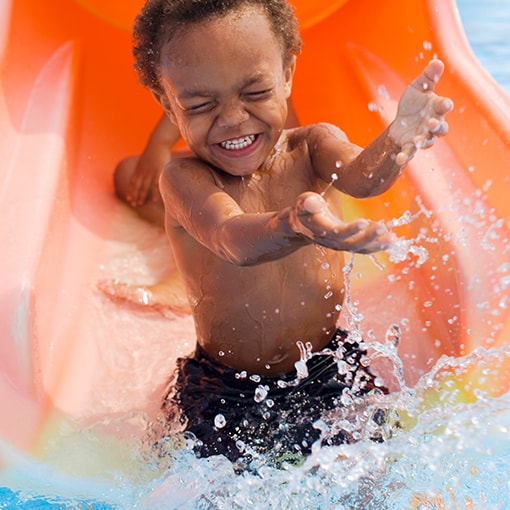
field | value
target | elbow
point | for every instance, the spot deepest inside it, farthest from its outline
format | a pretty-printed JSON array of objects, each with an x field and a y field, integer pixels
[
  {"x": 362, "y": 193},
  {"x": 370, "y": 190},
  {"x": 237, "y": 259},
  {"x": 251, "y": 259},
  {"x": 246, "y": 262}
]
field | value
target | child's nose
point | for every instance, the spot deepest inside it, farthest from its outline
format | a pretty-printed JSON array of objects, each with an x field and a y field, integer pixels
[{"x": 232, "y": 114}]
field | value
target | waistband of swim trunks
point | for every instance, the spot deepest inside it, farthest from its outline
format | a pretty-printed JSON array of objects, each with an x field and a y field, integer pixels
[{"x": 338, "y": 339}]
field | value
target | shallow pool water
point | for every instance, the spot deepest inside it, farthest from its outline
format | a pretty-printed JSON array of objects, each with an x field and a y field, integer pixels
[{"x": 448, "y": 444}]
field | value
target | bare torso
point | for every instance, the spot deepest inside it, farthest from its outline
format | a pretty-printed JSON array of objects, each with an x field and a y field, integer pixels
[{"x": 250, "y": 317}]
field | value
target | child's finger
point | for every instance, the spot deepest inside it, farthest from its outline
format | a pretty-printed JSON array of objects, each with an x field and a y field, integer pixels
[
  {"x": 347, "y": 230},
  {"x": 430, "y": 76},
  {"x": 313, "y": 203},
  {"x": 374, "y": 238},
  {"x": 444, "y": 105},
  {"x": 438, "y": 127}
]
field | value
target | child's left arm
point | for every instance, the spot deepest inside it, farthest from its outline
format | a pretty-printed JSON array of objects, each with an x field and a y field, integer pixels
[{"x": 369, "y": 172}]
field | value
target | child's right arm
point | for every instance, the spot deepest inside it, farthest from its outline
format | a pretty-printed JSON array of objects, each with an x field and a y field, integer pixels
[{"x": 195, "y": 202}]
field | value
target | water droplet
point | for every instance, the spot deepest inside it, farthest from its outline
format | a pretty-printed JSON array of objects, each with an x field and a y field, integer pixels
[
  {"x": 364, "y": 362},
  {"x": 346, "y": 399},
  {"x": 383, "y": 92},
  {"x": 392, "y": 336},
  {"x": 374, "y": 107},
  {"x": 219, "y": 421},
  {"x": 334, "y": 177},
  {"x": 301, "y": 369},
  {"x": 379, "y": 382},
  {"x": 260, "y": 393}
]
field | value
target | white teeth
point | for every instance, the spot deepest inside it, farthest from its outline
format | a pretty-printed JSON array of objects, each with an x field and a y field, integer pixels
[{"x": 240, "y": 143}]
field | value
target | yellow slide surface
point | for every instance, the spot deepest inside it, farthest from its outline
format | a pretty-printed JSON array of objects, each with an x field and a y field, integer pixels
[{"x": 71, "y": 107}]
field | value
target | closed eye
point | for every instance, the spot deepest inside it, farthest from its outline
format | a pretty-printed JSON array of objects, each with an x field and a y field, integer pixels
[
  {"x": 201, "y": 107},
  {"x": 258, "y": 94}
]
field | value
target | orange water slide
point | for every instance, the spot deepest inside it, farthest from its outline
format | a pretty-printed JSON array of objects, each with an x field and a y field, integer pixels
[{"x": 71, "y": 107}]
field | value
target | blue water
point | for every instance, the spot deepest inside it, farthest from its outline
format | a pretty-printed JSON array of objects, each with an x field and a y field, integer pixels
[
  {"x": 487, "y": 25},
  {"x": 455, "y": 456}
]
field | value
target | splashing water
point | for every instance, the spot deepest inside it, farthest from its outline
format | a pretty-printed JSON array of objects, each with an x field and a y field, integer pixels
[
  {"x": 401, "y": 248},
  {"x": 447, "y": 453},
  {"x": 334, "y": 178}
]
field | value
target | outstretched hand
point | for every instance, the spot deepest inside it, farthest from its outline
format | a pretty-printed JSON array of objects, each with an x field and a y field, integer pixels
[
  {"x": 312, "y": 219},
  {"x": 421, "y": 114}
]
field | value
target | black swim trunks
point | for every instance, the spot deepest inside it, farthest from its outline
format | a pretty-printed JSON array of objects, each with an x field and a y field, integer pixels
[{"x": 235, "y": 414}]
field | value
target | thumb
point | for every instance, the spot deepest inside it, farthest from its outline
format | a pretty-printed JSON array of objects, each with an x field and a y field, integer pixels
[{"x": 313, "y": 203}]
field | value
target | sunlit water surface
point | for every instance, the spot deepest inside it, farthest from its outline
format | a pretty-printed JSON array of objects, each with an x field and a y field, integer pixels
[{"x": 450, "y": 449}]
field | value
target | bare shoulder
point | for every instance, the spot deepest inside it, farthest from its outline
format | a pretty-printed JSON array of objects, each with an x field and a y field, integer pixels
[
  {"x": 185, "y": 166},
  {"x": 325, "y": 129},
  {"x": 182, "y": 172},
  {"x": 312, "y": 135},
  {"x": 184, "y": 180},
  {"x": 326, "y": 147}
]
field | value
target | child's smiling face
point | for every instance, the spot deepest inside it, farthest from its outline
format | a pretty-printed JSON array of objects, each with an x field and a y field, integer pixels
[{"x": 226, "y": 88}]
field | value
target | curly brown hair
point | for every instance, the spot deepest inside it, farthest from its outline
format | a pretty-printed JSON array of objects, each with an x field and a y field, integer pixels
[{"x": 160, "y": 20}]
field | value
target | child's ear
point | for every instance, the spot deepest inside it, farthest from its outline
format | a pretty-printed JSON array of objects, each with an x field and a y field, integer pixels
[
  {"x": 163, "y": 101},
  {"x": 289, "y": 75}
]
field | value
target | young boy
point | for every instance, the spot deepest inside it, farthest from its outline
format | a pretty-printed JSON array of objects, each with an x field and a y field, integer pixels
[{"x": 253, "y": 216}]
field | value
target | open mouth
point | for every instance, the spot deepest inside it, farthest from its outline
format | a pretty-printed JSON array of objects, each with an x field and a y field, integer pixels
[{"x": 238, "y": 143}]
